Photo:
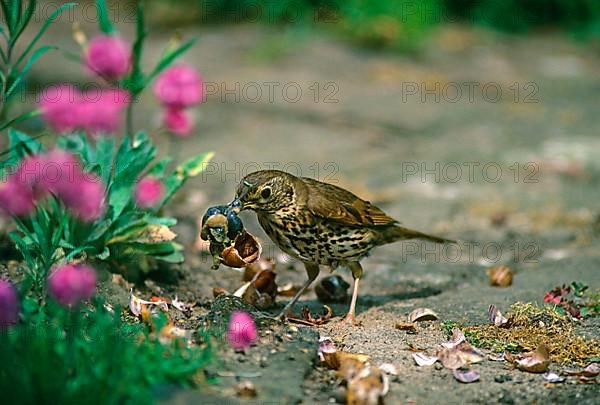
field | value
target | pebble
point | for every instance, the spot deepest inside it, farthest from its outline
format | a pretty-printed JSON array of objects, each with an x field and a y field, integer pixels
[{"x": 502, "y": 378}]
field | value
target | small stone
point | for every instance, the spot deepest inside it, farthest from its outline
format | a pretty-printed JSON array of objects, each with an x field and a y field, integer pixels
[{"x": 502, "y": 378}]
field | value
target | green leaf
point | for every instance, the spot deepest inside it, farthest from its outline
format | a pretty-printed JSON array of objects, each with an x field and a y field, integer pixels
[
  {"x": 174, "y": 258},
  {"x": 104, "y": 21},
  {"x": 105, "y": 254},
  {"x": 36, "y": 55},
  {"x": 23, "y": 22},
  {"x": 24, "y": 248},
  {"x": 190, "y": 168},
  {"x": 170, "y": 56},
  {"x": 158, "y": 170},
  {"x": 20, "y": 118},
  {"x": 137, "y": 81},
  {"x": 42, "y": 30},
  {"x": 166, "y": 221},
  {"x": 11, "y": 14},
  {"x": 105, "y": 154},
  {"x": 21, "y": 145}
]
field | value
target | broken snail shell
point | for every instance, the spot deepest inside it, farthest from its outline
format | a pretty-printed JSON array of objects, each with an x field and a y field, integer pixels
[
  {"x": 332, "y": 289},
  {"x": 244, "y": 251}
]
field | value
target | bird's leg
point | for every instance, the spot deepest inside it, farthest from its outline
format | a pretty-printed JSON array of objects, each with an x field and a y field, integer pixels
[
  {"x": 357, "y": 272},
  {"x": 312, "y": 270}
]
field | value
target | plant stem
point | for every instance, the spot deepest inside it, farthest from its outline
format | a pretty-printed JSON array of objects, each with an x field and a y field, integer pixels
[{"x": 129, "y": 116}]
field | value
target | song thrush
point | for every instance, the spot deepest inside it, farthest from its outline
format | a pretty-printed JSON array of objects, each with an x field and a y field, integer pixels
[{"x": 319, "y": 223}]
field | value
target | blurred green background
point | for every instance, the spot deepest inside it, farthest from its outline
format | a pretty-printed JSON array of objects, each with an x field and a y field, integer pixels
[{"x": 395, "y": 24}]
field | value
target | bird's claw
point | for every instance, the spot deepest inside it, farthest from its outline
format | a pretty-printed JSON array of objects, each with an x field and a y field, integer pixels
[{"x": 350, "y": 319}]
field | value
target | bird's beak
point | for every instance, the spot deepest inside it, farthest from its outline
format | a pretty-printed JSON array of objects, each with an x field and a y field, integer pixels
[{"x": 235, "y": 206}]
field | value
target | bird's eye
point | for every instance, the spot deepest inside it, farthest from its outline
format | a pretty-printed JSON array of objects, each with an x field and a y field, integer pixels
[{"x": 265, "y": 193}]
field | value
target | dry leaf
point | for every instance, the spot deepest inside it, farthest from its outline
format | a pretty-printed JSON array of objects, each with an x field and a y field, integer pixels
[
  {"x": 156, "y": 234},
  {"x": 467, "y": 376},
  {"x": 368, "y": 387},
  {"x": 500, "y": 276},
  {"x": 219, "y": 291},
  {"x": 409, "y": 327},
  {"x": 320, "y": 319},
  {"x": 496, "y": 317},
  {"x": 246, "y": 389},
  {"x": 422, "y": 314},
  {"x": 423, "y": 360},
  {"x": 350, "y": 364},
  {"x": 536, "y": 361}
]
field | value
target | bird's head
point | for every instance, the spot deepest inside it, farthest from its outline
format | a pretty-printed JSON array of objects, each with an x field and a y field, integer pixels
[{"x": 264, "y": 191}]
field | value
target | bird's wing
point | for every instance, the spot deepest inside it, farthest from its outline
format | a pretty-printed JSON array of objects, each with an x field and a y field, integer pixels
[{"x": 339, "y": 205}]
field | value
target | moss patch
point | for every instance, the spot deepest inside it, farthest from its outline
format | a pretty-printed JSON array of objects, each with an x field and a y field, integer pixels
[{"x": 529, "y": 326}]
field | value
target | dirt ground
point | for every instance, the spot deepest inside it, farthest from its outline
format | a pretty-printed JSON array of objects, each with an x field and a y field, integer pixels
[{"x": 526, "y": 194}]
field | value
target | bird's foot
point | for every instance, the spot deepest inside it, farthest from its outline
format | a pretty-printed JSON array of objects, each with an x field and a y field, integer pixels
[{"x": 350, "y": 320}]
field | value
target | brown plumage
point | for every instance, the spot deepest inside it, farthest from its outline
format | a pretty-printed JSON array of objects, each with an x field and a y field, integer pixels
[{"x": 319, "y": 223}]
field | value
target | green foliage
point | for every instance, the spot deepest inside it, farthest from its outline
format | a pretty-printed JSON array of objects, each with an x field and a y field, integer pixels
[
  {"x": 400, "y": 24},
  {"x": 580, "y": 16},
  {"x": 89, "y": 356},
  {"x": 14, "y": 68},
  {"x": 125, "y": 234}
]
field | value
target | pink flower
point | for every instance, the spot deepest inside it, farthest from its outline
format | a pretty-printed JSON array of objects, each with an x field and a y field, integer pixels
[
  {"x": 179, "y": 86},
  {"x": 178, "y": 121},
  {"x": 148, "y": 192},
  {"x": 242, "y": 330},
  {"x": 108, "y": 56},
  {"x": 102, "y": 109},
  {"x": 70, "y": 284},
  {"x": 16, "y": 198},
  {"x": 83, "y": 195},
  {"x": 9, "y": 305},
  {"x": 45, "y": 173},
  {"x": 59, "y": 106}
]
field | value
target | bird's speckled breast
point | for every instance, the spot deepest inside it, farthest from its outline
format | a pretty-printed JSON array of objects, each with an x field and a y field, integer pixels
[{"x": 316, "y": 240}]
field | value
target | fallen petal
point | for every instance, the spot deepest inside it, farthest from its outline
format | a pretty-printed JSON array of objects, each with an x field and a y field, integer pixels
[
  {"x": 136, "y": 305},
  {"x": 422, "y": 314},
  {"x": 457, "y": 338},
  {"x": 496, "y": 357},
  {"x": 592, "y": 370},
  {"x": 496, "y": 317},
  {"x": 180, "y": 305},
  {"x": 423, "y": 360},
  {"x": 552, "y": 377},
  {"x": 389, "y": 368},
  {"x": 288, "y": 290},
  {"x": 246, "y": 389},
  {"x": 467, "y": 376}
]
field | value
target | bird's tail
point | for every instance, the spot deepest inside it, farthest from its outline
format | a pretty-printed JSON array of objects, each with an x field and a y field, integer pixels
[{"x": 397, "y": 233}]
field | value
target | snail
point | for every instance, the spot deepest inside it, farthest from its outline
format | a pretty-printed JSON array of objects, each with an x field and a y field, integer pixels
[{"x": 230, "y": 244}]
